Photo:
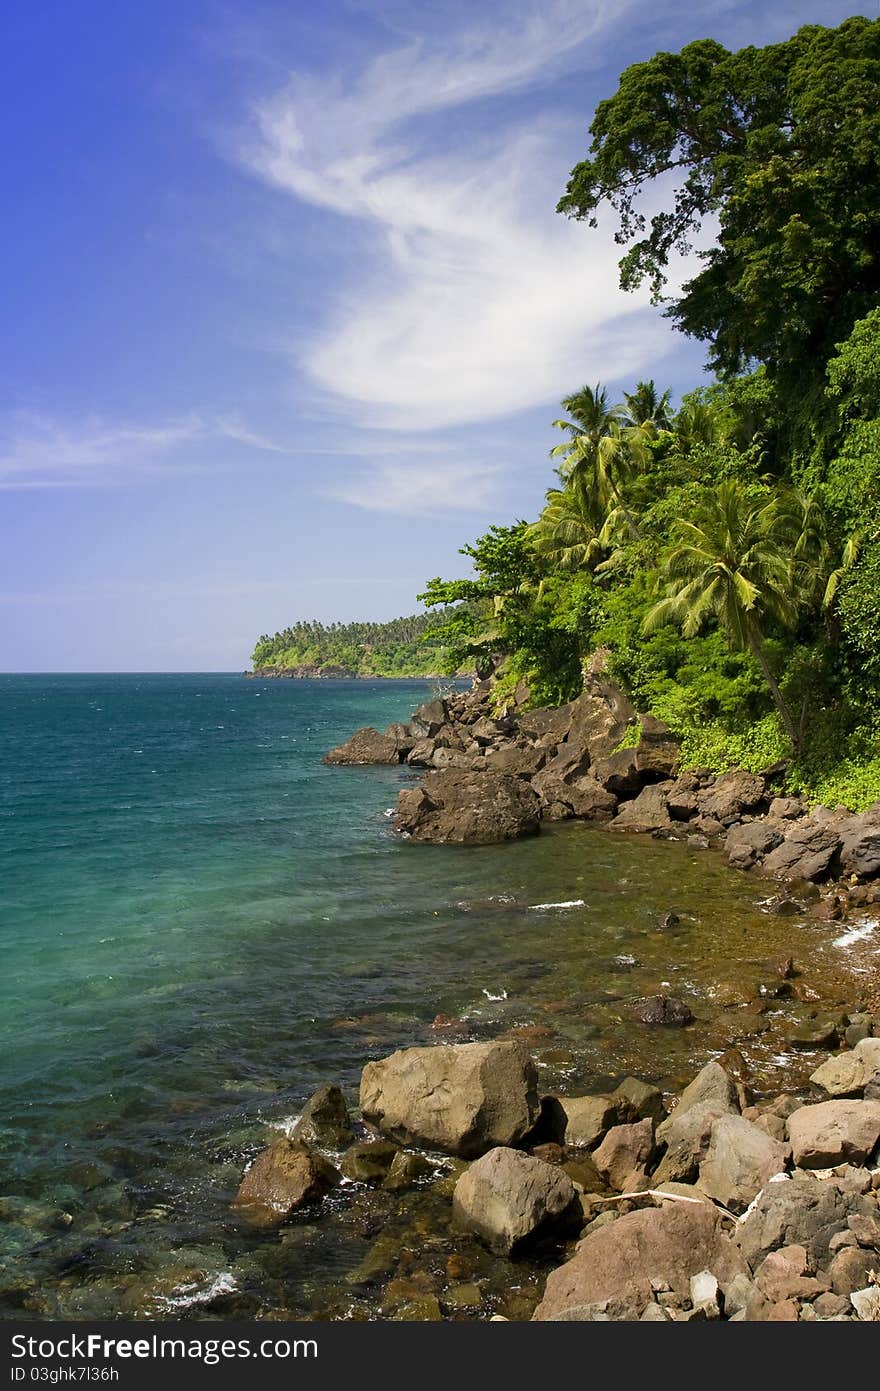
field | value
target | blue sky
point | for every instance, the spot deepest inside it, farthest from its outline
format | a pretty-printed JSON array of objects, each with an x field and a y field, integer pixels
[{"x": 287, "y": 306}]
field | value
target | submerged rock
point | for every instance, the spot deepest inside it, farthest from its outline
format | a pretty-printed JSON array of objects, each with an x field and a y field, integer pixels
[
  {"x": 460, "y": 1098},
  {"x": 664, "y": 1009}
]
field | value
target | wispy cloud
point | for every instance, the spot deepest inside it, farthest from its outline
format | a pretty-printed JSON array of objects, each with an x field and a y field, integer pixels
[
  {"x": 420, "y": 487},
  {"x": 478, "y": 300},
  {"x": 39, "y": 451}
]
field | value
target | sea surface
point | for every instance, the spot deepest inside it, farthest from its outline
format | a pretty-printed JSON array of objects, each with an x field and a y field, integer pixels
[{"x": 200, "y": 923}]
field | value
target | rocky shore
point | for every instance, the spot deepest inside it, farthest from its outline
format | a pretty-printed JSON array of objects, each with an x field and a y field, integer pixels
[
  {"x": 710, "y": 1205},
  {"x": 716, "y": 1203},
  {"x": 490, "y": 777}
]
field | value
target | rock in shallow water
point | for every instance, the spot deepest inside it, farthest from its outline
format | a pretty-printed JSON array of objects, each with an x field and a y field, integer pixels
[
  {"x": 366, "y": 746},
  {"x": 457, "y": 807},
  {"x": 509, "y": 1198},
  {"x": 460, "y": 1098},
  {"x": 281, "y": 1180},
  {"x": 324, "y": 1120}
]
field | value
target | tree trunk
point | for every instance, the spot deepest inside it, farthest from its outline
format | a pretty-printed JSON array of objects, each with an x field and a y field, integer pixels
[{"x": 757, "y": 647}]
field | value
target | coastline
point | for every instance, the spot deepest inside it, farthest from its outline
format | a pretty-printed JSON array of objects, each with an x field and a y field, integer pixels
[{"x": 645, "y": 1207}]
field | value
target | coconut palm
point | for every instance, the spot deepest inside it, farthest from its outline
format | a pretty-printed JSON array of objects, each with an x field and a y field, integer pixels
[
  {"x": 733, "y": 562},
  {"x": 572, "y": 530},
  {"x": 591, "y": 420},
  {"x": 646, "y": 406},
  {"x": 695, "y": 424}
]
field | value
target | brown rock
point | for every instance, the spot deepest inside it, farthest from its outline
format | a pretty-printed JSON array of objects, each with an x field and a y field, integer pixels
[
  {"x": 740, "y": 1160},
  {"x": 730, "y": 795},
  {"x": 619, "y": 1261},
  {"x": 624, "y": 1156},
  {"x": 456, "y": 807},
  {"x": 509, "y": 1198},
  {"x": 833, "y": 1132},
  {"x": 461, "y": 1098},
  {"x": 785, "y": 1274},
  {"x": 647, "y": 812},
  {"x": 281, "y": 1180},
  {"x": 366, "y": 746},
  {"x": 850, "y": 1269}
]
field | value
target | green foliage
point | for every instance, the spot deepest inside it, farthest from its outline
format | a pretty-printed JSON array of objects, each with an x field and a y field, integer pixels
[
  {"x": 402, "y": 647},
  {"x": 782, "y": 145},
  {"x": 727, "y": 554}
]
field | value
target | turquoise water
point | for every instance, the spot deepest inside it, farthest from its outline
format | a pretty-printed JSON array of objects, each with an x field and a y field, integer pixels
[{"x": 201, "y": 924}]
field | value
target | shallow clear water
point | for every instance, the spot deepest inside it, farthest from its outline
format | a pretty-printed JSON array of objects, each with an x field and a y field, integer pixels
[{"x": 201, "y": 923}]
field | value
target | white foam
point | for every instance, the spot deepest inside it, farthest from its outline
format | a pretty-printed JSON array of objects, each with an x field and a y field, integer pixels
[
  {"x": 857, "y": 934},
  {"x": 186, "y": 1295},
  {"x": 546, "y": 907},
  {"x": 489, "y": 996}
]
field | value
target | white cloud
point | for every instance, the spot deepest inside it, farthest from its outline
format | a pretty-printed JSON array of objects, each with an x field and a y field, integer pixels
[
  {"x": 39, "y": 451},
  {"x": 479, "y": 300},
  {"x": 421, "y": 487}
]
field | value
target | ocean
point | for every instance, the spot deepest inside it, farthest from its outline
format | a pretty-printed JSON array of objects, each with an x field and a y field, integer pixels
[{"x": 200, "y": 923}]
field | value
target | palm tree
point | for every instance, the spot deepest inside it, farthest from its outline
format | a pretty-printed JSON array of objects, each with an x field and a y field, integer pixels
[
  {"x": 591, "y": 420},
  {"x": 568, "y": 531},
  {"x": 696, "y": 423},
  {"x": 734, "y": 563},
  {"x": 645, "y": 406}
]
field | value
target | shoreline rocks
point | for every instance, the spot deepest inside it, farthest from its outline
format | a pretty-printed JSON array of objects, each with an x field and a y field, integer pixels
[
  {"x": 491, "y": 776},
  {"x": 724, "y": 1209}
]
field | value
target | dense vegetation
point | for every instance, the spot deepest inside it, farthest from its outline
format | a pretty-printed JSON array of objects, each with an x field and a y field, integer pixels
[
  {"x": 401, "y": 647},
  {"x": 726, "y": 553}
]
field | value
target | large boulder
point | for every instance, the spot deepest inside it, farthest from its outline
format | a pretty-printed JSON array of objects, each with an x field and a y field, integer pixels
[
  {"x": 749, "y": 841},
  {"x": 624, "y": 1156},
  {"x": 686, "y": 1135},
  {"x": 324, "y": 1120},
  {"x": 794, "y": 1212},
  {"x": 366, "y": 745},
  {"x": 582, "y": 1121},
  {"x": 730, "y": 795},
  {"x": 281, "y": 1180},
  {"x": 807, "y": 852},
  {"x": 460, "y": 1098},
  {"x": 860, "y": 843},
  {"x": 847, "y": 1074},
  {"x": 430, "y": 718},
  {"x": 647, "y": 812},
  {"x": 581, "y": 797},
  {"x": 834, "y": 1132},
  {"x": 509, "y": 1199},
  {"x": 519, "y": 760},
  {"x": 464, "y": 808},
  {"x": 601, "y": 716},
  {"x": 740, "y": 1160},
  {"x": 713, "y": 1085},
  {"x": 619, "y": 1261}
]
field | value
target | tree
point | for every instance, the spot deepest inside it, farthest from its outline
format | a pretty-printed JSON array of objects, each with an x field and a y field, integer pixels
[
  {"x": 567, "y": 533},
  {"x": 732, "y": 563},
  {"x": 646, "y": 406},
  {"x": 782, "y": 145},
  {"x": 592, "y": 418}
]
